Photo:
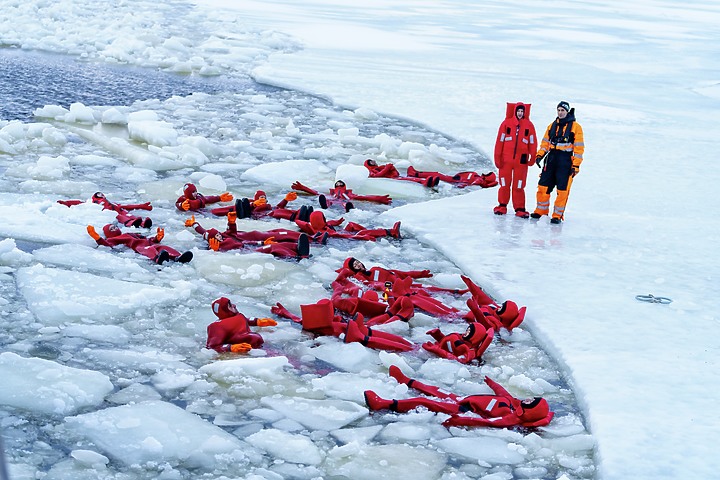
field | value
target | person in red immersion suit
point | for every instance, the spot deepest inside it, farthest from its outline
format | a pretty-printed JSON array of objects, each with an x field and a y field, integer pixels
[
  {"x": 123, "y": 210},
  {"x": 320, "y": 318},
  {"x": 342, "y": 195},
  {"x": 490, "y": 314},
  {"x": 388, "y": 170},
  {"x": 464, "y": 347},
  {"x": 371, "y": 307},
  {"x": 147, "y": 246},
  {"x": 459, "y": 180},
  {"x": 515, "y": 149},
  {"x": 231, "y": 332},
  {"x": 279, "y": 242},
  {"x": 319, "y": 226},
  {"x": 499, "y": 409},
  {"x": 402, "y": 282},
  {"x": 259, "y": 207},
  {"x": 192, "y": 200}
]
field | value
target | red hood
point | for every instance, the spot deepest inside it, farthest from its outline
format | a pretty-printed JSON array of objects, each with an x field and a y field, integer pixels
[
  {"x": 511, "y": 107},
  {"x": 259, "y": 194},
  {"x": 111, "y": 230},
  {"x": 221, "y": 308},
  {"x": 317, "y": 220},
  {"x": 189, "y": 190}
]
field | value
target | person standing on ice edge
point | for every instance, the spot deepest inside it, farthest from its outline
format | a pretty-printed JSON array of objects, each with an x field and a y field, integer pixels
[
  {"x": 564, "y": 146},
  {"x": 515, "y": 149}
]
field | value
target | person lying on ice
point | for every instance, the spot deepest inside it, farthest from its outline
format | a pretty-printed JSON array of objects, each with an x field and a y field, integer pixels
[
  {"x": 464, "y": 347},
  {"x": 259, "y": 207},
  {"x": 147, "y": 246},
  {"x": 320, "y": 319},
  {"x": 460, "y": 180},
  {"x": 341, "y": 195},
  {"x": 489, "y": 313},
  {"x": 402, "y": 281},
  {"x": 280, "y": 243},
  {"x": 499, "y": 409},
  {"x": 231, "y": 331},
  {"x": 388, "y": 170},
  {"x": 371, "y": 307},
  {"x": 192, "y": 200},
  {"x": 319, "y": 226},
  {"x": 122, "y": 210}
]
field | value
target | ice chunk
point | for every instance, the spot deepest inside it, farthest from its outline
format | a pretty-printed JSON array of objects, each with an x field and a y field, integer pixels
[
  {"x": 483, "y": 449},
  {"x": 316, "y": 414},
  {"x": 385, "y": 462},
  {"x": 286, "y": 446},
  {"x": 156, "y": 431},
  {"x": 47, "y": 387}
]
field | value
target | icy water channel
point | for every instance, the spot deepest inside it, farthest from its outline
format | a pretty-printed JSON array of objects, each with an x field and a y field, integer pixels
[
  {"x": 250, "y": 130},
  {"x": 30, "y": 80}
]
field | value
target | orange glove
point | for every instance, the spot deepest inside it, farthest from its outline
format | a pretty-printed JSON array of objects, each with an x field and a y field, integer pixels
[
  {"x": 240, "y": 347},
  {"x": 269, "y": 241},
  {"x": 190, "y": 221},
  {"x": 185, "y": 205},
  {"x": 91, "y": 231},
  {"x": 260, "y": 202},
  {"x": 289, "y": 197},
  {"x": 226, "y": 197},
  {"x": 232, "y": 217},
  {"x": 160, "y": 234},
  {"x": 214, "y": 244},
  {"x": 266, "y": 322}
]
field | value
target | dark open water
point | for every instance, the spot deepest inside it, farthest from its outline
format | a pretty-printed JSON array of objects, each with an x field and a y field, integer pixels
[{"x": 30, "y": 80}]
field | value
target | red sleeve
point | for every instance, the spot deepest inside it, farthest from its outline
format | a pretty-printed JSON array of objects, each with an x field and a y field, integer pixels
[
  {"x": 70, "y": 203},
  {"x": 497, "y": 388},
  {"x": 136, "y": 206},
  {"x": 299, "y": 186}
]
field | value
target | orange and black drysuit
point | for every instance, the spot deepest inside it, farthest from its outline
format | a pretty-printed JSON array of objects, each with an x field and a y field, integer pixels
[
  {"x": 564, "y": 145},
  {"x": 515, "y": 149}
]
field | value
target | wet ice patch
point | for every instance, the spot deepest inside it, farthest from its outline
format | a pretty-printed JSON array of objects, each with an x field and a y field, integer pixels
[
  {"x": 43, "y": 386},
  {"x": 156, "y": 431},
  {"x": 316, "y": 414}
]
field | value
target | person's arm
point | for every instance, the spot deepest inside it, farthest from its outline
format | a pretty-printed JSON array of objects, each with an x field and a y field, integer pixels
[
  {"x": 382, "y": 199},
  {"x": 299, "y": 186},
  {"x": 499, "y": 144},
  {"x": 135, "y": 206},
  {"x": 289, "y": 197},
  {"x": 578, "y": 148},
  {"x": 95, "y": 236},
  {"x": 70, "y": 203}
]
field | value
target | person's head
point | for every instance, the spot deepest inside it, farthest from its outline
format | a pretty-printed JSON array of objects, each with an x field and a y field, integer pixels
[
  {"x": 474, "y": 333},
  {"x": 339, "y": 184},
  {"x": 260, "y": 194},
  {"x": 98, "y": 197},
  {"x": 352, "y": 263},
  {"x": 562, "y": 109},
  {"x": 370, "y": 162},
  {"x": 111, "y": 230},
  {"x": 534, "y": 409},
  {"x": 317, "y": 220},
  {"x": 519, "y": 111},
  {"x": 224, "y": 308},
  {"x": 508, "y": 311},
  {"x": 190, "y": 191}
]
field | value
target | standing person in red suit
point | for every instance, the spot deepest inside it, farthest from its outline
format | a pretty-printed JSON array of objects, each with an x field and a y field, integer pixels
[
  {"x": 147, "y": 246},
  {"x": 192, "y": 200},
  {"x": 464, "y": 347},
  {"x": 231, "y": 332},
  {"x": 318, "y": 226},
  {"x": 515, "y": 149},
  {"x": 500, "y": 409},
  {"x": 343, "y": 195},
  {"x": 320, "y": 318},
  {"x": 122, "y": 210}
]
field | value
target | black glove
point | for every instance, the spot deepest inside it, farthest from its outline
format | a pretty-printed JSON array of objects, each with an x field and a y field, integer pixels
[{"x": 538, "y": 160}]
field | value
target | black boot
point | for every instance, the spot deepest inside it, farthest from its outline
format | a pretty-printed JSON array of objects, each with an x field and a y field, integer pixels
[
  {"x": 323, "y": 201},
  {"x": 303, "y": 246}
]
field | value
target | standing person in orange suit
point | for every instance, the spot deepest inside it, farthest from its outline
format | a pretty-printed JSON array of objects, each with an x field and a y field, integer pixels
[
  {"x": 231, "y": 332},
  {"x": 515, "y": 149},
  {"x": 499, "y": 409},
  {"x": 564, "y": 145}
]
